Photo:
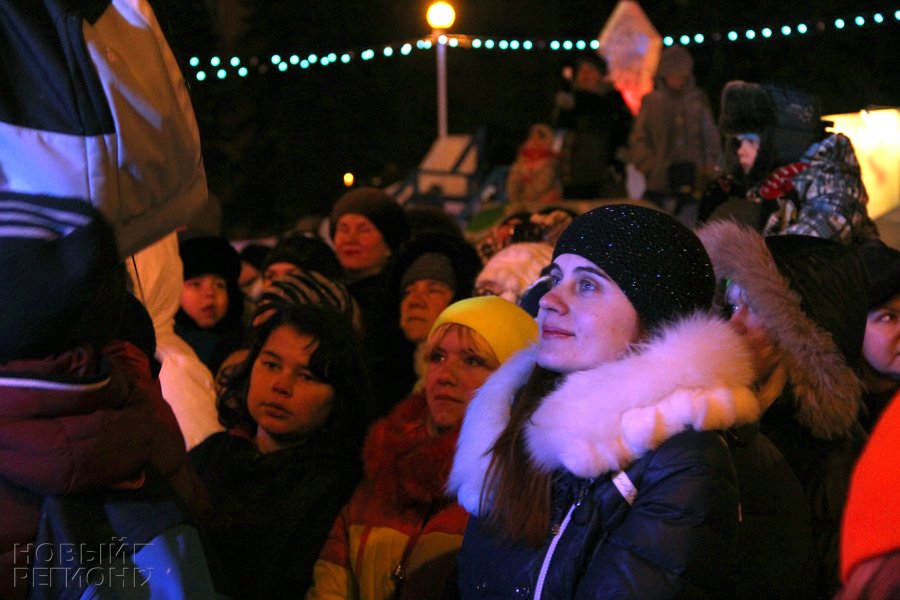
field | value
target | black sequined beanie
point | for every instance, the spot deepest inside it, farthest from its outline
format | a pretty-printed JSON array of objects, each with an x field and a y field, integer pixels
[{"x": 659, "y": 264}]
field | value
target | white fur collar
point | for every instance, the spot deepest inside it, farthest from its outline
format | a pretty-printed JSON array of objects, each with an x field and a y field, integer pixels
[{"x": 696, "y": 373}]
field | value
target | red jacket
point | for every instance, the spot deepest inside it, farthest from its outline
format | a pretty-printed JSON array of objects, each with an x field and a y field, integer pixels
[
  {"x": 63, "y": 434},
  {"x": 399, "y": 517}
]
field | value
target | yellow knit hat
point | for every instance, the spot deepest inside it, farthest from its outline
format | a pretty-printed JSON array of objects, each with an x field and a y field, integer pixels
[{"x": 506, "y": 327}]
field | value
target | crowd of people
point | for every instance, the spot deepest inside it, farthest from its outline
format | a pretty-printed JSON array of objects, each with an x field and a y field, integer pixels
[{"x": 670, "y": 397}]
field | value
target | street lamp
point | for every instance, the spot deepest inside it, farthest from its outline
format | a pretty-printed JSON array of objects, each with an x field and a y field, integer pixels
[{"x": 440, "y": 16}]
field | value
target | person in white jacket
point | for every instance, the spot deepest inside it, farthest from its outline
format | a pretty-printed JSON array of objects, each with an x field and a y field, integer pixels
[{"x": 187, "y": 385}]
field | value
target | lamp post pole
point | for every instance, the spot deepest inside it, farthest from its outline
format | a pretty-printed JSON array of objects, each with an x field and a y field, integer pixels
[
  {"x": 440, "y": 17},
  {"x": 441, "y": 49}
]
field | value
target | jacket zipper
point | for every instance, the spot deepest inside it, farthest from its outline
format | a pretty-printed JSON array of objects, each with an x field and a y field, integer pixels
[
  {"x": 398, "y": 575},
  {"x": 548, "y": 557},
  {"x": 539, "y": 588}
]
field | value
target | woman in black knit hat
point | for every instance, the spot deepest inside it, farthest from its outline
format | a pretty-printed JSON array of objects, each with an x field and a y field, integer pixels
[
  {"x": 367, "y": 227},
  {"x": 592, "y": 463}
]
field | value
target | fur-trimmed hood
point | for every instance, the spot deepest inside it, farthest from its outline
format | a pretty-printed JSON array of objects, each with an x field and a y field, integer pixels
[
  {"x": 403, "y": 461},
  {"x": 826, "y": 389},
  {"x": 675, "y": 61},
  {"x": 693, "y": 373}
]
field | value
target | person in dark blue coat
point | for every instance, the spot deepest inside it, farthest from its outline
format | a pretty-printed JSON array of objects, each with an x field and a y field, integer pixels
[
  {"x": 592, "y": 463},
  {"x": 800, "y": 303}
]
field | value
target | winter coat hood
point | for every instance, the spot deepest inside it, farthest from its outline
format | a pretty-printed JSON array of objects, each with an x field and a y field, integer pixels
[
  {"x": 694, "y": 373},
  {"x": 403, "y": 461},
  {"x": 675, "y": 61},
  {"x": 812, "y": 303}
]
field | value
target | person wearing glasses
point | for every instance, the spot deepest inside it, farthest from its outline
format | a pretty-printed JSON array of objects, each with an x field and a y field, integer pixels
[{"x": 800, "y": 304}]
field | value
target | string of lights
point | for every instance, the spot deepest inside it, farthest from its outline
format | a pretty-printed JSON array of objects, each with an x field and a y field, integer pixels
[{"x": 217, "y": 67}]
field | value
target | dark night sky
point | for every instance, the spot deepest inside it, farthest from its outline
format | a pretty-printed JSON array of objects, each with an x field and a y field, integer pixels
[{"x": 283, "y": 140}]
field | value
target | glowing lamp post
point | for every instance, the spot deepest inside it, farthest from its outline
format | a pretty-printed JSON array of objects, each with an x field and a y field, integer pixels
[{"x": 440, "y": 17}]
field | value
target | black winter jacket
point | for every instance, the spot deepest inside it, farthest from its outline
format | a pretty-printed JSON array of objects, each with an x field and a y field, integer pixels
[
  {"x": 658, "y": 426},
  {"x": 687, "y": 500},
  {"x": 271, "y": 512},
  {"x": 807, "y": 294}
]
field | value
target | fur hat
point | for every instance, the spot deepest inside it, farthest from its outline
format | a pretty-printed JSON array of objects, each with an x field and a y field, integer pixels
[
  {"x": 809, "y": 294},
  {"x": 308, "y": 252},
  {"x": 658, "y": 263},
  {"x": 377, "y": 206},
  {"x": 514, "y": 268},
  {"x": 61, "y": 283},
  {"x": 506, "y": 327},
  {"x": 883, "y": 268},
  {"x": 745, "y": 108},
  {"x": 209, "y": 256}
]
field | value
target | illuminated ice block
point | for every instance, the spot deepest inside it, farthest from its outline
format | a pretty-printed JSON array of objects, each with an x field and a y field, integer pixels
[{"x": 631, "y": 46}]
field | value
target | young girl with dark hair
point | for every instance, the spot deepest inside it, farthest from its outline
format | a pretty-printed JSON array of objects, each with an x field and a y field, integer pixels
[{"x": 277, "y": 478}]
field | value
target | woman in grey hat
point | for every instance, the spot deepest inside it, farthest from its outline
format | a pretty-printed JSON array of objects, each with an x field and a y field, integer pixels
[{"x": 433, "y": 271}]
